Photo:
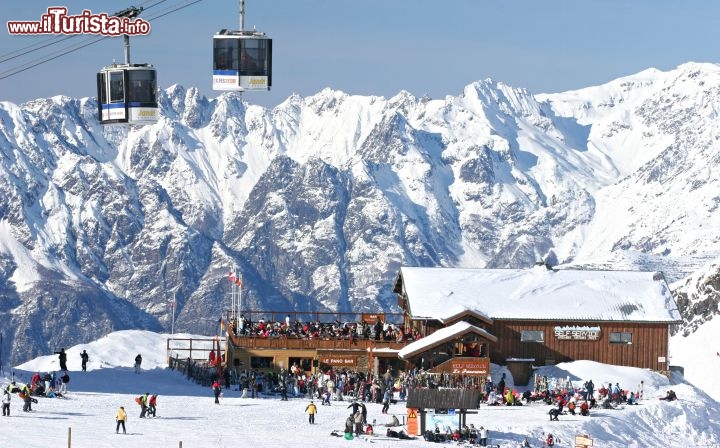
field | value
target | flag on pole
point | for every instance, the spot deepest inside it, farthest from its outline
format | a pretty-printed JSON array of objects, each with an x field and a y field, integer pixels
[
  {"x": 232, "y": 277},
  {"x": 238, "y": 281},
  {"x": 222, "y": 325}
]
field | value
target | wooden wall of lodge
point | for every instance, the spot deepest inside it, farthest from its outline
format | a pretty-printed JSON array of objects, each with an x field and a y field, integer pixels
[
  {"x": 649, "y": 342},
  {"x": 282, "y": 349}
]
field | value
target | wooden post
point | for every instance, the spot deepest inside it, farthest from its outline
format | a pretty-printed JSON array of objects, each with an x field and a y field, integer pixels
[
  {"x": 180, "y": 446},
  {"x": 69, "y": 437}
]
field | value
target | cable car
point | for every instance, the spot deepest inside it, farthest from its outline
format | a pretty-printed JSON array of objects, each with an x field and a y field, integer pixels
[
  {"x": 127, "y": 94},
  {"x": 242, "y": 61}
]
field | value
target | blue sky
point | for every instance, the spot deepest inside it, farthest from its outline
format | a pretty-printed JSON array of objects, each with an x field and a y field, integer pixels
[{"x": 379, "y": 47}]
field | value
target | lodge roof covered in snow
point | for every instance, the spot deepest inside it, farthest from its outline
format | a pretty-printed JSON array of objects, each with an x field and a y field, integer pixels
[
  {"x": 538, "y": 293},
  {"x": 441, "y": 336}
]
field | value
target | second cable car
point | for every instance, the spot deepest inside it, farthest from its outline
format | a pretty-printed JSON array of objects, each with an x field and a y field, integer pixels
[
  {"x": 127, "y": 94},
  {"x": 242, "y": 61}
]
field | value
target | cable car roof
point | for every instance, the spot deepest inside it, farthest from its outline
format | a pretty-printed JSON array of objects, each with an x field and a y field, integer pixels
[
  {"x": 239, "y": 33},
  {"x": 116, "y": 66}
]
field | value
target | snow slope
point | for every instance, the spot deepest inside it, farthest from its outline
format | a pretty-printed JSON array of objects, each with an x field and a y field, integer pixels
[{"x": 186, "y": 411}]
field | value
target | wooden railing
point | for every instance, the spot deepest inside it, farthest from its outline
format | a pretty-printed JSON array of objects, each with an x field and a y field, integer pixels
[
  {"x": 252, "y": 342},
  {"x": 318, "y": 316}
]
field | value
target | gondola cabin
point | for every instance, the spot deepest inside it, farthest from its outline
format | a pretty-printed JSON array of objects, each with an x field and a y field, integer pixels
[
  {"x": 127, "y": 94},
  {"x": 242, "y": 61}
]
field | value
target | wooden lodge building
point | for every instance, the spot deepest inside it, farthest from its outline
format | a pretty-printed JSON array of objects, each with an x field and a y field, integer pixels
[{"x": 468, "y": 318}]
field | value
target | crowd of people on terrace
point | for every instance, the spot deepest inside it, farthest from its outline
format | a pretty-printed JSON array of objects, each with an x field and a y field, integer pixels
[{"x": 379, "y": 331}]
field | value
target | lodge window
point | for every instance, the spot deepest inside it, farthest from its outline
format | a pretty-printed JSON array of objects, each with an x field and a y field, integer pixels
[
  {"x": 532, "y": 336},
  {"x": 620, "y": 338},
  {"x": 304, "y": 363},
  {"x": 261, "y": 362}
]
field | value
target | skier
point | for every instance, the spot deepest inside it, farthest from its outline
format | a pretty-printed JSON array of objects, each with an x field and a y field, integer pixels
[
  {"x": 152, "y": 402},
  {"x": 311, "y": 409},
  {"x": 216, "y": 391},
  {"x": 85, "y": 358},
  {"x": 138, "y": 361},
  {"x": 483, "y": 436},
  {"x": 6, "y": 403},
  {"x": 386, "y": 400},
  {"x": 62, "y": 356},
  {"x": 120, "y": 418},
  {"x": 65, "y": 379},
  {"x": 27, "y": 407},
  {"x": 143, "y": 404}
]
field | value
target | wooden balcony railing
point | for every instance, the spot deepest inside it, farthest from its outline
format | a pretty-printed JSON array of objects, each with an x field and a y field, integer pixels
[{"x": 252, "y": 342}]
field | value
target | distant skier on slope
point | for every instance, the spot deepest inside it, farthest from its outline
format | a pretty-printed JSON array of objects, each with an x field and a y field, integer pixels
[{"x": 138, "y": 362}]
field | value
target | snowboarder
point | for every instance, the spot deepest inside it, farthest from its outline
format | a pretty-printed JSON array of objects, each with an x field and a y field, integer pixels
[
  {"x": 6, "y": 403},
  {"x": 216, "y": 391},
  {"x": 138, "y": 361},
  {"x": 85, "y": 358},
  {"x": 311, "y": 409},
  {"x": 120, "y": 418}
]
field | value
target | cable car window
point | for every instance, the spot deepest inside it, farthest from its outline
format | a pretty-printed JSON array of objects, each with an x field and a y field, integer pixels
[
  {"x": 254, "y": 57},
  {"x": 102, "y": 92},
  {"x": 117, "y": 87},
  {"x": 226, "y": 54},
  {"x": 142, "y": 86}
]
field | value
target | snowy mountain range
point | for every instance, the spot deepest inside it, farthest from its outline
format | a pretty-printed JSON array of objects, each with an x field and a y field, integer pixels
[{"x": 320, "y": 200}]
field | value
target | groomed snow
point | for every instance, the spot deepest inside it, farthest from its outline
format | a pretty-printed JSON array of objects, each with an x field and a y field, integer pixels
[{"x": 186, "y": 411}]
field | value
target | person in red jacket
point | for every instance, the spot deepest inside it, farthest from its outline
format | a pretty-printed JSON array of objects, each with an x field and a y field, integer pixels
[
  {"x": 584, "y": 408},
  {"x": 216, "y": 391}
]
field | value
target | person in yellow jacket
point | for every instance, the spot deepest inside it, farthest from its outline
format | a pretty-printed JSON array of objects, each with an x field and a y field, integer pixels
[
  {"x": 509, "y": 397},
  {"x": 311, "y": 409},
  {"x": 120, "y": 418}
]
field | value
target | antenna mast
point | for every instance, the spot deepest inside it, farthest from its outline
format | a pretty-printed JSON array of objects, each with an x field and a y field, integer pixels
[
  {"x": 130, "y": 13},
  {"x": 242, "y": 15}
]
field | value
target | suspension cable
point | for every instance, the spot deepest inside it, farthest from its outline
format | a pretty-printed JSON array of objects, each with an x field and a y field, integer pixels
[{"x": 70, "y": 49}]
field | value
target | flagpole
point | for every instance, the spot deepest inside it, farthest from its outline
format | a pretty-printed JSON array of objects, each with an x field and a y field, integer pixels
[
  {"x": 240, "y": 286},
  {"x": 232, "y": 292}
]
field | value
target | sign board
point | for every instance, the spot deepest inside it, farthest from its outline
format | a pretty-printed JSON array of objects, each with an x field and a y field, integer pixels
[
  {"x": 339, "y": 360},
  {"x": 412, "y": 422},
  {"x": 371, "y": 318},
  {"x": 583, "y": 441},
  {"x": 577, "y": 333},
  {"x": 661, "y": 359},
  {"x": 469, "y": 366}
]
